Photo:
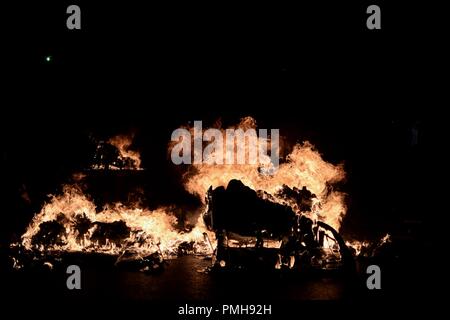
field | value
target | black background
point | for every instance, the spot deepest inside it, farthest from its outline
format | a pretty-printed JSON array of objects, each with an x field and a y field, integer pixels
[{"x": 311, "y": 69}]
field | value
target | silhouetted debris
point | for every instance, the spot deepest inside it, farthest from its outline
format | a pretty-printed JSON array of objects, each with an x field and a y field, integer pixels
[
  {"x": 253, "y": 231},
  {"x": 302, "y": 197},
  {"x": 135, "y": 261},
  {"x": 50, "y": 233},
  {"x": 82, "y": 225},
  {"x": 107, "y": 156},
  {"x": 185, "y": 248},
  {"x": 238, "y": 208},
  {"x": 115, "y": 232}
]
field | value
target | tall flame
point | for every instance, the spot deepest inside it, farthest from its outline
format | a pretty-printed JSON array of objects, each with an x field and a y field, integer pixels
[
  {"x": 304, "y": 167},
  {"x": 116, "y": 154}
]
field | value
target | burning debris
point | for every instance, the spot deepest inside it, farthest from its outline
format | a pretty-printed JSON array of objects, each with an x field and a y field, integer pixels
[
  {"x": 252, "y": 230},
  {"x": 293, "y": 211},
  {"x": 116, "y": 154},
  {"x": 241, "y": 209},
  {"x": 301, "y": 199},
  {"x": 367, "y": 248},
  {"x": 70, "y": 222}
]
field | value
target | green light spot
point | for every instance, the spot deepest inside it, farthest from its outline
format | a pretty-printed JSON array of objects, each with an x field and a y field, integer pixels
[{"x": 48, "y": 58}]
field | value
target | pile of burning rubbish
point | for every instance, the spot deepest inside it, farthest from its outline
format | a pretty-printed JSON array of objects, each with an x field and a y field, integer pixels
[
  {"x": 284, "y": 219},
  {"x": 253, "y": 230},
  {"x": 240, "y": 228},
  {"x": 72, "y": 223}
]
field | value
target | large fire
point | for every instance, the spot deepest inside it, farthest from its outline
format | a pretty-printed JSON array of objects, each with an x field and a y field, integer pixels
[
  {"x": 304, "y": 167},
  {"x": 118, "y": 227},
  {"x": 87, "y": 230}
]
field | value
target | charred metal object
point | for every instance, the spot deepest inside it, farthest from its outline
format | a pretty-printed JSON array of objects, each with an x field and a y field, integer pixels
[{"x": 252, "y": 231}]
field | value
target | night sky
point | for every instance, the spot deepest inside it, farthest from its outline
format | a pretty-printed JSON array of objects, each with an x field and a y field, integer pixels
[{"x": 317, "y": 74}]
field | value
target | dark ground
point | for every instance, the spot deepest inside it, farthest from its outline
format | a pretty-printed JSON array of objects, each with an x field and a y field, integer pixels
[
  {"x": 107, "y": 291},
  {"x": 184, "y": 279}
]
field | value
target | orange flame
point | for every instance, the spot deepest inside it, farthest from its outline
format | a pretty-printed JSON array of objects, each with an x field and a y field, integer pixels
[
  {"x": 304, "y": 167},
  {"x": 121, "y": 157},
  {"x": 123, "y": 143},
  {"x": 149, "y": 230}
]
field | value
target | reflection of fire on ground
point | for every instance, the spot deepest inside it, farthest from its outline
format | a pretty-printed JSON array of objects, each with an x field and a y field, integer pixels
[{"x": 300, "y": 198}]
